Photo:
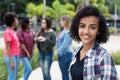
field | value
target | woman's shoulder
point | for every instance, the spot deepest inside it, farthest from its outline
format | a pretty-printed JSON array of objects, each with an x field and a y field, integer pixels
[
  {"x": 52, "y": 32},
  {"x": 102, "y": 52},
  {"x": 75, "y": 51},
  {"x": 8, "y": 31}
]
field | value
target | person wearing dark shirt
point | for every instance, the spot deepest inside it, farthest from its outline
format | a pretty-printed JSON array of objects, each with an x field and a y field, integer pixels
[
  {"x": 91, "y": 61},
  {"x": 77, "y": 68},
  {"x": 45, "y": 43}
]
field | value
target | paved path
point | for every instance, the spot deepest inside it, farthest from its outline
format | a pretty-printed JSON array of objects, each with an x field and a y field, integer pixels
[
  {"x": 55, "y": 73},
  {"x": 113, "y": 44}
]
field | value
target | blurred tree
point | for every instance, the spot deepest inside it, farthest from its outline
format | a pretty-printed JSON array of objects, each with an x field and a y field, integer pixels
[
  {"x": 111, "y": 6},
  {"x": 20, "y": 5},
  {"x": 56, "y": 11},
  {"x": 30, "y": 8},
  {"x": 100, "y": 4}
]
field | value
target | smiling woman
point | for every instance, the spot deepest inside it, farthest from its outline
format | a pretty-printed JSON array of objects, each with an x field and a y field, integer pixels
[{"x": 91, "y": 61}]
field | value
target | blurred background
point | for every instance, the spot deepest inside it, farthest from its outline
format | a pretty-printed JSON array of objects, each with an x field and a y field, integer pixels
[{"x": 38, "y": 9}]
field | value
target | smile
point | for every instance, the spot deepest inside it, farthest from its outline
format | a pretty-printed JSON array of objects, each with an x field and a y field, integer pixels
[{"x": 86, "y": 36}]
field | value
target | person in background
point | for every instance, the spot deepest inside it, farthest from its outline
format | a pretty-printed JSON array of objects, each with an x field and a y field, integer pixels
[
  {"x": 91, "y": 61},
  {"x": 11, "y": 42},
  {"x": 45, "y": 42},
  {"x": 64, "y": 51},
  {"x": 26, "y": 47}
]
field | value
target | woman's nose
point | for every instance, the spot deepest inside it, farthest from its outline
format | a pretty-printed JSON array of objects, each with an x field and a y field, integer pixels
[{"x": 86, "y": 30}]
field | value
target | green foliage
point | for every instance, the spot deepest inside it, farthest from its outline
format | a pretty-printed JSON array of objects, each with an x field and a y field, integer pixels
[
  {"x": 111, "y": 6},
  {"x": 112, "y": 29},
  {"x": 69, "y": 6},
  {"x": 108, "y": 16},
  {"x": 66, "y": 1},
  {"x": 102, "y": 1},
  {"x": 116, "y": 57},
  {"x": 118, "y": 9},
  {"x": 3, "y": 68},
  {"x": 103, "y": 9},
  {"x": 56, "y": 11},
  {"x": 93, "y": 1},
  {"x": 60, "y": 9},
  {"x": 20, "y": 5},
  {"x": 30, "y": 8},
  {"x": 1, "y": 35},
  {"x": 78, "y": 1},
  {"x": 35, "y": 62}
]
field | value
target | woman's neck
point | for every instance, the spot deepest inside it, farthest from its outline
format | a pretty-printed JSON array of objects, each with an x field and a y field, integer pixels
[
  {"x": 27, "y": 29},
  {"x": 48, "y": 30},
  {"x": 11, "y": 27},
  {"x": 65, "y": 28},
  {"x": 86, "y": 47}
]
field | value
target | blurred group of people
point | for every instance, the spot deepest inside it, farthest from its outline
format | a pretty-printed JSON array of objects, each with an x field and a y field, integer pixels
[{"x": 87, "y": 62}]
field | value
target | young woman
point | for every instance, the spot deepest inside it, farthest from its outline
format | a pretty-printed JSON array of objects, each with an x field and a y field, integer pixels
[
  {"x": 64, "y": 50},
  {"x": 45, "y": 43},
  {"x": 11, "y": 41},
  {"x": 91, "y": 61},
  {"x": 26, "y": 40}
]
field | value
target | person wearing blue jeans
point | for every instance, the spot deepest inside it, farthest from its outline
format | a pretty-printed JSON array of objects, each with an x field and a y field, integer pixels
[
  {"x": 64, "y": 51},
  {"x": 64, "y": 63},
  {"x": 12, "y": 73},
  {"x": 45, "y": 43},
  {"x": 26, "y": 47},
  {"x": 45, "y": 60},
  {"x": 11, "y": 52},
  {"x": 27, "y": 67}
]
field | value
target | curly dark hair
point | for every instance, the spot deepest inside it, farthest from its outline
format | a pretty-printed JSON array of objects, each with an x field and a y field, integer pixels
[
  {"x": 25, "y": 21},
  {"x": 9, "y": 18},
  {"x": 85, "y": 12}
]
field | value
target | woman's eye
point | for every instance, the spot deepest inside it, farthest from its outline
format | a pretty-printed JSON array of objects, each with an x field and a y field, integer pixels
[
  {"x": 81, "y": 26},
  {"x": 93, "y": 27}
]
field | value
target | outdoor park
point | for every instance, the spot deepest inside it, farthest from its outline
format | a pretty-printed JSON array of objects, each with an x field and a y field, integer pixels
[{"x": 38, "y": 9}]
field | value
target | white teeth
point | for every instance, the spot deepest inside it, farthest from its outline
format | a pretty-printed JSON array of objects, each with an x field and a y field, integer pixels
[{"x": 86, "y": 37}]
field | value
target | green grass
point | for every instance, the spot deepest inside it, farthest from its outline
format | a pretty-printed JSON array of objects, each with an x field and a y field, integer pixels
[
  {"x": 116, "y": 57},
  {"x": 3, "y": 68},
  {"x": 1, "y": 35}
]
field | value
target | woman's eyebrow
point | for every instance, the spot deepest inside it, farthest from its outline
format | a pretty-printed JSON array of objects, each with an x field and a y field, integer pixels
[
  {"x": 81, "y": 23},
  {"x": 93, "y": 24}
]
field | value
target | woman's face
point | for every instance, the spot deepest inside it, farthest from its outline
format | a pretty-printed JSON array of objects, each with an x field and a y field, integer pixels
[
  {"x": 28, "y": 25},
  {"x": 44, "y": 24},
  {"x": 88, "y": 29},
  {"x": 62, "y": 23},
  {"x": 15, "y": 23}
]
